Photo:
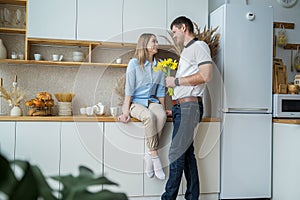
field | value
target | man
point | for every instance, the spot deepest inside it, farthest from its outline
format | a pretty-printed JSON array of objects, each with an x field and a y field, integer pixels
[{"x": 194, "y": 70}]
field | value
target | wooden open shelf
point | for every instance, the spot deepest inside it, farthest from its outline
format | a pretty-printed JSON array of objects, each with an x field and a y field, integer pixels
[
  {"x": 292, "y": 46},
  {"x": 13, "y": 30},
  {"x": 287, "y": 25},
  {"x": 40, "y": 41},
  {"x": 14, "y": 2},
  {"x": 62, "y": 63}
]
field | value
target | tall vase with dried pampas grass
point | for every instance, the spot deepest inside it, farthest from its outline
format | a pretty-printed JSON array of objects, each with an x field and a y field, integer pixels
[{"x": 14, "y": 98}]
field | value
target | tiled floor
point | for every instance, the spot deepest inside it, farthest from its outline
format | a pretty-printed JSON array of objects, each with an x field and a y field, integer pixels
[{"x": 181, "y": 197}]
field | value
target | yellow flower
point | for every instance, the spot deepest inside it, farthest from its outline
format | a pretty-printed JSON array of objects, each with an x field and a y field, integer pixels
[{"x": 166, "y": 66}]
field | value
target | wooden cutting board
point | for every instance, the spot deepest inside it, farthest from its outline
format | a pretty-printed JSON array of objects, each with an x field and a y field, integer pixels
[{"x": 280, "y": 82}]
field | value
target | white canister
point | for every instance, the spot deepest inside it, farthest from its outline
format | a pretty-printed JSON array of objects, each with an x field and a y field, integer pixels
[{"x": 64, "y": 108}]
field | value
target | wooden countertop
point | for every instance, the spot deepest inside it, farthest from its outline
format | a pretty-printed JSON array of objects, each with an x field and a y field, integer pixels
[
  {"x": 80, "y": 118},
  {"x": 286, "y": 121},
  {"x": 107, "y": 118}
]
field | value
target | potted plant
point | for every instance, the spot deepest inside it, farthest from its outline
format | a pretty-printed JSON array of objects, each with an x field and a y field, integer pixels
[{"x": 33, "y": 185}]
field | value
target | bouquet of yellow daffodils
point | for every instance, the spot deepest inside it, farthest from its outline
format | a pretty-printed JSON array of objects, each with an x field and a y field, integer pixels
[{"x": 166, "y": 66}]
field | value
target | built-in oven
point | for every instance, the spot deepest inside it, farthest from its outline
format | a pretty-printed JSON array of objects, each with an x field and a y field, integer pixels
[{"x": 286, "y": 105}]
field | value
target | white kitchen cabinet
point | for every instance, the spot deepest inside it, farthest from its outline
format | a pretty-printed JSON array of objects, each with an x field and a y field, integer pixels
[
  {"x": 7, "y": 139},
  {"x": 123, "y": 156},
  {"x": 144, "y": 16},
  {"x": 100, "y": 20},
  {"x": 286, "y": 162},
  {"x": 155, "y": 186},
  {"x": 207, "y": 152},
  {"x": 196, "y": 10},
  {"x": 39, "y": 143},
  {"x": 81, "y": 144},
  {"x": 54, "y": 19}
]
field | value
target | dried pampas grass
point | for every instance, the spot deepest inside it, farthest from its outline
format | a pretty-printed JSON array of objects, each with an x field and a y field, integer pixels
[
  {"x": 119, "y": 88},
  {"x": 209, "y": 36},
  {"x": 14, "y": 97},
  {"x": 64, "y": 97}
]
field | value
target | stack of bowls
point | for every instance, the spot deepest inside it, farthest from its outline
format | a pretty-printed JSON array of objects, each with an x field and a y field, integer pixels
[
  {"x": 78, "y": 56},
  {"x": 64, "y": 108}
]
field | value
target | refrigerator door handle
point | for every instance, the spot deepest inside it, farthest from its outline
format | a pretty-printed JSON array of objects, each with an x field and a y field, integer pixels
[{"x": 253, "y": 110}]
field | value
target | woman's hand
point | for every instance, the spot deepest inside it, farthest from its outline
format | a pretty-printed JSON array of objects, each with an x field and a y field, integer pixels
[{"x": 124, "y": 118}]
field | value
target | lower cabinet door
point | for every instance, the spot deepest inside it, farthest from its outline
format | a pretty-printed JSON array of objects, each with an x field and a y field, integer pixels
[
  {"x": 207, "y": 153},
  {"x": 81, "y": 145},
  {"x": 123, "y": 156},
  {"x": 154, "y": 186},
  {"x": 7, "y": 139},
  {"x": 286, "y": 163},
  {"x": 39, "y": 143}
]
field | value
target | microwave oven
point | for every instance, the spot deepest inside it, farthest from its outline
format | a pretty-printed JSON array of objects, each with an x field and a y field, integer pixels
[{"x": 286, "y": 105}]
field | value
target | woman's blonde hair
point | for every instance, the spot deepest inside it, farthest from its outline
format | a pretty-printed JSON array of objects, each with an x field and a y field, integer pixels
[{"x": 141, "y": 52}]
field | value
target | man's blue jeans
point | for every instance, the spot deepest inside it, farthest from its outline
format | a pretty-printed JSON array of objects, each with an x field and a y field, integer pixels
[{"x": 186, "y": 117}]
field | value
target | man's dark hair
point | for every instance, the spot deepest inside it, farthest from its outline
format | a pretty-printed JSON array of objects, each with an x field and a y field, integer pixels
[{"x": 183, "y": 20}]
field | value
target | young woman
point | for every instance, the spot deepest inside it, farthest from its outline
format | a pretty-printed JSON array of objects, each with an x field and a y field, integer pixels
[{"x": 145, "y": 99}]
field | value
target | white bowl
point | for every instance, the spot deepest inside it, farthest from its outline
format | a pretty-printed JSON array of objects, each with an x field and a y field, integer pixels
[
  {"x": 77, "y": 53},
  {"x": 78, "y": 58}
]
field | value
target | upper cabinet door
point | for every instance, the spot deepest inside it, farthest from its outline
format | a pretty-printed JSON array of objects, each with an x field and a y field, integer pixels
[
  {"x": 52, "y": 19},
  {"x": 144, "y": 16},
  {"x": 100, "y": 20},
  {"x": 196, "y": 10}
]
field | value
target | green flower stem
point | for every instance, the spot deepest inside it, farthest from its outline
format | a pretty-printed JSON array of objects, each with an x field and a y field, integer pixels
[
  {"x": 170, "y": 91},
  {"x": 168, "y": 71}
]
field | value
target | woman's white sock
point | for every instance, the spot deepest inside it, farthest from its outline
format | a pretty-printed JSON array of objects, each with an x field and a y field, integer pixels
[
  {"x": 158, "y": 170},
  {"x": 149, "y": 165}
]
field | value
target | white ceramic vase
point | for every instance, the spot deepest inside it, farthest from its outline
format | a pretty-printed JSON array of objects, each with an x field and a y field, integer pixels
[
  {"x": 16, "y": 111},
  {"x": 3, "y": 52}
]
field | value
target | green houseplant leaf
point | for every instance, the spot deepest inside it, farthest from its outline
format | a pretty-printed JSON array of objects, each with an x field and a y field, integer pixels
[
  {"x": 7, "y": 177},
  {"x": 26, "y": 188},
  {"x": 76, "y": 187},
  {"x": 33, "y": 184}
]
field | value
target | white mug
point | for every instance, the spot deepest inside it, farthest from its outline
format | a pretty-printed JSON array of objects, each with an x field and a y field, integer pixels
[
  {"x": 118, "y": 60},
  {"x": 89, "y": 110},
  {"x": 37, "y": 56},
  {"x": 114, "y": 111},
  {"x": 55, "y": 57},
  {"x": 83, "y": 111}
]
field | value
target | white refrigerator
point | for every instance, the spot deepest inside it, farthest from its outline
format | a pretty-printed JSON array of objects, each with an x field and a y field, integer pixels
[{"x": 245, "y": 64}]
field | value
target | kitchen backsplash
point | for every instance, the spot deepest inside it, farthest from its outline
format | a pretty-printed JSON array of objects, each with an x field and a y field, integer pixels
[{"x": 90, "y": 84}]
